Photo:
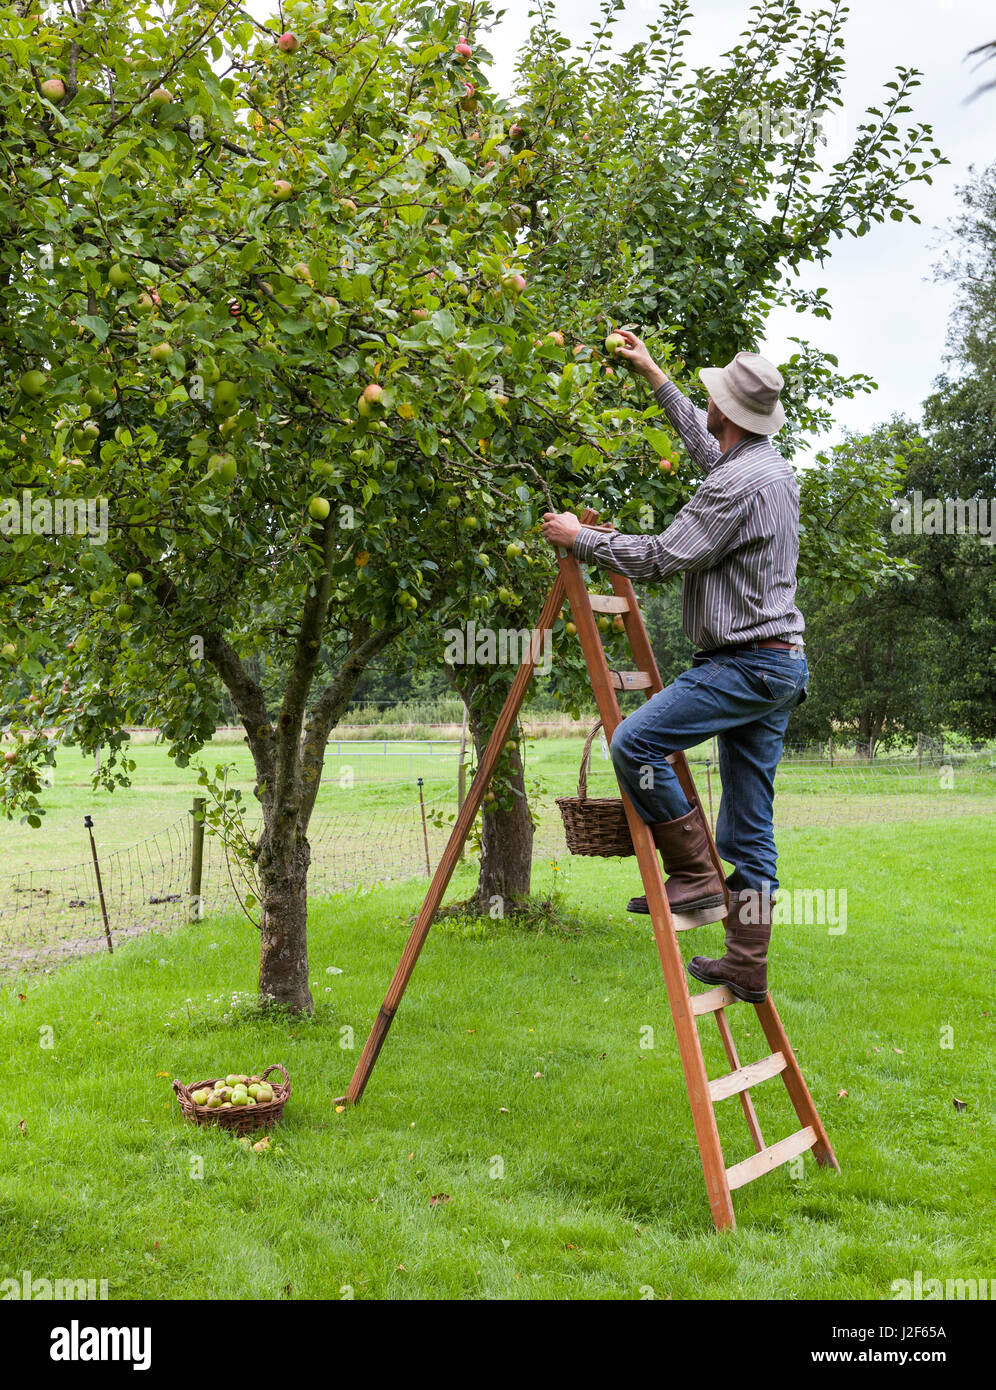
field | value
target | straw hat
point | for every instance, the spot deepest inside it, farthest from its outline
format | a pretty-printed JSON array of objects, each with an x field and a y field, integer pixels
[{"x": 747, "y": 392}]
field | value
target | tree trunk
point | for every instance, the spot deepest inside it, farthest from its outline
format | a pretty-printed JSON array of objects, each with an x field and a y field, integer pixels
[
  {"x": 506, "y": 848},
  {"x": 283, "y": 954},
  {"x": 506, "y": 825}
]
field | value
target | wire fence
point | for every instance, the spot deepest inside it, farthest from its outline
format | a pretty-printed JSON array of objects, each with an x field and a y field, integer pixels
[{"x": 377, "y": 830}]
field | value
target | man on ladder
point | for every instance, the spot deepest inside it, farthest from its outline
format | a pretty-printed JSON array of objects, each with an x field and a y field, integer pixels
[{"x": 737, "y": 545}]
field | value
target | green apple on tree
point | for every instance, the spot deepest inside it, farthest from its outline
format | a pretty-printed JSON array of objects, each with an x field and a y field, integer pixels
[{"x": 33, "y": 383}]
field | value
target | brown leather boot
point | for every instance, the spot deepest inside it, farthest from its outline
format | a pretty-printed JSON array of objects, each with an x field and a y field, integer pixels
[
  {"x": 693, "y": 882},
  {"x": 743, "y": 968}
]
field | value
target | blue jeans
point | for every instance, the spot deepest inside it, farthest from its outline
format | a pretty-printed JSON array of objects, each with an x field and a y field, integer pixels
[{"x": 745, "y": 698}]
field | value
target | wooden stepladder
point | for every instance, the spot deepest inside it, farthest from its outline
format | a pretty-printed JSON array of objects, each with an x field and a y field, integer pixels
[{"x": 686, "y": 1008}]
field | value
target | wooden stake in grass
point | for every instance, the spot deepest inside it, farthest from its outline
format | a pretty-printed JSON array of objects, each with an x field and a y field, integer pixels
[
  {"x": 425, "y": 833},
  {"x": 88, "y": 822},
  {"x": 196, "y": 904}
]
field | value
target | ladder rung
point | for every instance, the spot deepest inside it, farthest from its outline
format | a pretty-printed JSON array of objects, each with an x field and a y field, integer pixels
[
  {"x": 744, "y": 1077},
  {"x": 607, "y": 603},
  {"x": 712, "y": 1000},
  {"x": 770, "y": 1158},
  {"x": 631, "y": 680},
  {"x": 705, "y": 917}
]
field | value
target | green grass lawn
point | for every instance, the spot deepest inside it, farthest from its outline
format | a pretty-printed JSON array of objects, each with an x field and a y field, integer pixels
[{"x": 581, "y": 1182}]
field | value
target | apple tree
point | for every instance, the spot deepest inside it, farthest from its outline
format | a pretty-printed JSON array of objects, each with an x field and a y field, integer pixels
[{"x": 271, "y": 368}]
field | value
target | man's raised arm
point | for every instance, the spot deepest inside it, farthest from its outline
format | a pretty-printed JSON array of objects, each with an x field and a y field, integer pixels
[{"x": 687, "y": 419}]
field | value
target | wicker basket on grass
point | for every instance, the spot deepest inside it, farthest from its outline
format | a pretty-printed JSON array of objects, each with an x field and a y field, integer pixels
[
  {"x": 241, "y": 1118},
  {"x": 594, "y": 825}
]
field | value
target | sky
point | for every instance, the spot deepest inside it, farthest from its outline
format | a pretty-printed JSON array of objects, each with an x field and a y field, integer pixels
[{"x": 890, "y": 316}]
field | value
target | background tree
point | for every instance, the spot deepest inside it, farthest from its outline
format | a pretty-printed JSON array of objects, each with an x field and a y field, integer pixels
[{"x": 916, "y": 653}]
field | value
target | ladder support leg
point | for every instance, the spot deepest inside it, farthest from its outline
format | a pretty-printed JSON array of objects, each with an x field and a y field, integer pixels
[{"x": 795, "y": 1082}]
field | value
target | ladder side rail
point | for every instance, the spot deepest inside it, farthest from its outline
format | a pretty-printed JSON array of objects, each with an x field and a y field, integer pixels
[
  {"x": 686, "y": 1030},
  {"x": 451, "y": 854}
]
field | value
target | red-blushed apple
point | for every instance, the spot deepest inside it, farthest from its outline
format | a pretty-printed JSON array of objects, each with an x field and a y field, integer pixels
[
  {"x": 664, "y": 465},
  {"x": 419, "y": 314},
  {"x": 515, "y": 284},
  {"x": 373, "y": 392},
  {"x": 53, "y": 88},
  {"x": 348, "y": 206},
  {"x": 556, "y": 338},
  {"x": 301, "y": 271},
  {"x": 516, "y": 131},
  {"x": 463, "y": 52},
  {"x": 280, "y": 190},
  {"x": 288, "y": 43}
]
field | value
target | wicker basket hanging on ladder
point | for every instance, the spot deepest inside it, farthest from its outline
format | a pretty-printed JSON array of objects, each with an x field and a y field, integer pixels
[{"x": 594, "y": 825}]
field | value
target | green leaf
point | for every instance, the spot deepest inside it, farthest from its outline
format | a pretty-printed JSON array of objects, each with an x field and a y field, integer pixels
[
  {"x": 97, "y": 326},
  {"x": 660, "y": 442},
  {"x": 444, "y": 324}
]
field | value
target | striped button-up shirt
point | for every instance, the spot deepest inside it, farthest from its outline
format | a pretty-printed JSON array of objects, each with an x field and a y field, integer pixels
[{"x": 736, "y": 541}]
